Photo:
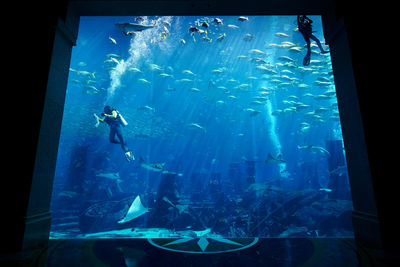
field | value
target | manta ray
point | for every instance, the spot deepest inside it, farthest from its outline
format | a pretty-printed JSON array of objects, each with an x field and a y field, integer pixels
[{"x": 129, "y": 28}]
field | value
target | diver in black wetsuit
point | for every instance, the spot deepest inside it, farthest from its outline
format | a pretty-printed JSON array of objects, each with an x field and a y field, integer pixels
[
  {"x": 115, "y": 120},
  {"x": 305, "y": 27}
]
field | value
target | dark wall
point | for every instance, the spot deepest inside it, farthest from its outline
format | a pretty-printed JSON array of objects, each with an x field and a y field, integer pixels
[
  {"x": 369, "y": 27},
  {"x": 27, "y": 33}
]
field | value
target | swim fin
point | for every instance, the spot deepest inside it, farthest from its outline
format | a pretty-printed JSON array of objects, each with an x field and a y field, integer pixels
[
  {"x": 129, "y": 156},
  {"x": 306, "y": 60}
]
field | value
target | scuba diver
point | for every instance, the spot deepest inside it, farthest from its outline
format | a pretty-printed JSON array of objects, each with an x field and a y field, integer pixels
[
  {"x": 113, "y": 118},
  {"x": 305, "y": 27}
]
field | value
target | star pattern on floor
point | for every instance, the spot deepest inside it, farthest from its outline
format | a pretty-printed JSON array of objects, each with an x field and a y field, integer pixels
[{"x": 203, "y": 242}]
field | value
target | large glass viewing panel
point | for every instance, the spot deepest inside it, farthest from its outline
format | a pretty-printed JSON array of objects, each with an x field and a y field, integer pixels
[{"x": 228, "y": 133}]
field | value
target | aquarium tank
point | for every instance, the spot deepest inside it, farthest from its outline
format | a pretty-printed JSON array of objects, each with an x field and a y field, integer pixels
[{"x": 200, "y": 126}]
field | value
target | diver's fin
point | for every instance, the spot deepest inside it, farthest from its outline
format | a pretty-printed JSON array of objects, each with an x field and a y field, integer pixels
[
  {"x": 306, "y": 60},
  {"x": 129, "y": 156}
]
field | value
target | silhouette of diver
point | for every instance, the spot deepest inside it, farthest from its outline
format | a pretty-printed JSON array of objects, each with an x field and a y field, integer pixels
[
  {"x": 305, "y": 27},
  {"x": 115, "y": 120}
]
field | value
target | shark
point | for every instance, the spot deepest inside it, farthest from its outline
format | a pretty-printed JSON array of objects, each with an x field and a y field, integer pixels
[
  {"x": 129, "y": 28},
  {"x": 109, "y": 175},
  {"x": 316, "y": 149},
  {"x": 155, "y": 167}
]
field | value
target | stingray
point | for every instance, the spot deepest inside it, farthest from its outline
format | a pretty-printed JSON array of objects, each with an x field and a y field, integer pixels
[{"x": 135, "y": 210}]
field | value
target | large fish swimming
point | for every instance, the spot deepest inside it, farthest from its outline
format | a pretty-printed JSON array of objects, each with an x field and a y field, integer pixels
[
  {"x": 316, "y": 149},
  {"x": 277, "y": 160},
  {"x": 128, "y": 28},
  {"x": 155, "y": 167}
]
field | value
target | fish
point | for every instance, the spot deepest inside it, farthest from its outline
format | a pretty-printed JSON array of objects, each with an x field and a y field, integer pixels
[
  {"x": 154, "y": 67},
  {"x": 232, "y": 81},
  {"x": 112, "y": 40},
  {"x": 196, "y": 126},
  {"x": 305, "y": 128},
  {"x": 218, "y": 71},
  {"x": 184, "y": 81},
  {"x": 252, "y": 112},
  {"x": 325, "y": 190},
  {"x": 286, "y": 59},
  {"x": 113, "y": 55},
  {"x": 232, "y": 26},
  {"x": 143, "y": 81},
  {"x": 256, "y": 51},
  {"x": 166, "y": 23},
  {"x": 206, "y": 39},
  {"x": 134, "y": 69},
  {"x": 277, "y": 112},
  {"x": 248, "y": 37},
  {"x": 90, "y": 90},
  {"x": 218, "y": 21},
  {"x": 146, "y": 108},
  {"x": 188, "y": 72},
  {"x": 315, "y": 149},
  {"x": 180, "y": 208},
  {"x": 288, "y": 44},
  {"x": 221, "y": 37},
  {"x": 257, "y": 103},
  {"x": 135, "y": 210},
  {"x": 295, "y": 49},
  {"x": 319, "y": 83},
  {"x": 85, "y": 73},
  {"x": 128, "y": 28},
  {"x": 108, "y": 61},
  {"x": 202, "y": 31},
  {"x": 114, "y": 60},
  {"x": 243, "y": 19},
  {"x": 257, "y": 60},
  {"x": 281, "y": 34},
  {"x": 266, "y": 70},
  {"x": 241, "y": 57},
  {"x": 205, "y": 24},
  {"x": 183, "y": 42},
  {"x": 166, "y": 75},
  {"x": 320, "y": 97},
  {"x": 321, "y": 110},
  {"x": 243, "y": 86},
  {"x": 340, "y": 170},
  {"x": 155, "y": 167},
  {"x": 277, "y": 160},
  {"x": 109, "y": 175},
  {"x": 193, "y": 29}
]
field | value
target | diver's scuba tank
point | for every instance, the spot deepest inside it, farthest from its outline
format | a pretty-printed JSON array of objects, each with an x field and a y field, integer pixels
[{"x": 123, "y": 121}]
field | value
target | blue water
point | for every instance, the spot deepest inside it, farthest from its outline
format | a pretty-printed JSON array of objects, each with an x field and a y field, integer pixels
[{"x": 212, "y": 111}]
